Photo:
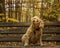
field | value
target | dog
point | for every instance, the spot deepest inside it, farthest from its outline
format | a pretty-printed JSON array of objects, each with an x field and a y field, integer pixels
[{"x": 34, "y": 32}]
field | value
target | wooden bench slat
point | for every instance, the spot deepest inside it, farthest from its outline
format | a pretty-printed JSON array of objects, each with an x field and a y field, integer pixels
[
  {"x": 18, "y": 38},
  {"x": 51, "y": 30},
  {"x": 10, "y": 24},
  {"x": 23, "y": 30},
  {"x": 22, "y": 24},
  {"x": 29, "y": 46}
]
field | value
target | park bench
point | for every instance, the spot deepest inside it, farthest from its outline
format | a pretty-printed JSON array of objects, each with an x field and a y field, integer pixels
[{"x": 51, "y": 32}]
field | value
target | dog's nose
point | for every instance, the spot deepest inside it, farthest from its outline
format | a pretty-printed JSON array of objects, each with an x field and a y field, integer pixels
[
  {"x": 37, "y": 20},
  {"x": 33, "y": 20}
]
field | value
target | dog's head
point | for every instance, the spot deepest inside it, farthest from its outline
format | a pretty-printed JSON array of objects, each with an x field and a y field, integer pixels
[{"x": 36, "y": 21}]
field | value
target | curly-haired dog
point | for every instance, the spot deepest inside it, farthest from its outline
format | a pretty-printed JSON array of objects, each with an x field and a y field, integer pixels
[{"x": 34, "y": 32}]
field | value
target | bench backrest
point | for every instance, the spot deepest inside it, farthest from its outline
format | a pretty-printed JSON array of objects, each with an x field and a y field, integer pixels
[{"x": 51, "y": 31}]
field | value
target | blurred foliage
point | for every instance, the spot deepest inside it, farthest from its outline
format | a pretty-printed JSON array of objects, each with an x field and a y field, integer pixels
[
  {"x": 23, "y": 10},
  {"x": 52, "y": 12}
]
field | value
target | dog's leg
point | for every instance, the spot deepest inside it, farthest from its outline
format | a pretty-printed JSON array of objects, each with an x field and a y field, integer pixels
[
  {"x": 26, "y": 42},
  {"x": 25, "y": 39},
  {"x": 41, "y": 41},
  {"x": 41, "y": 38}
]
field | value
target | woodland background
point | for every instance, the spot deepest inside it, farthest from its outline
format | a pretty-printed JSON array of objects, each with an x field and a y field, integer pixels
[{"x": 23, "y": 10}]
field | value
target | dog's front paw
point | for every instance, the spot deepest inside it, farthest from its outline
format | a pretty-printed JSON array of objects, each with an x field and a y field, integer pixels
[
  {"x": 26, "y": 44},
  {"x": 41, "y": 44}
]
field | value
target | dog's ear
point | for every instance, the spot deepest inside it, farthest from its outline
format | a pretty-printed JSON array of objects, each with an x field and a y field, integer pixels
[
  {"x": 41, "y": 25},
  {"x": 32, "y": 19}
]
